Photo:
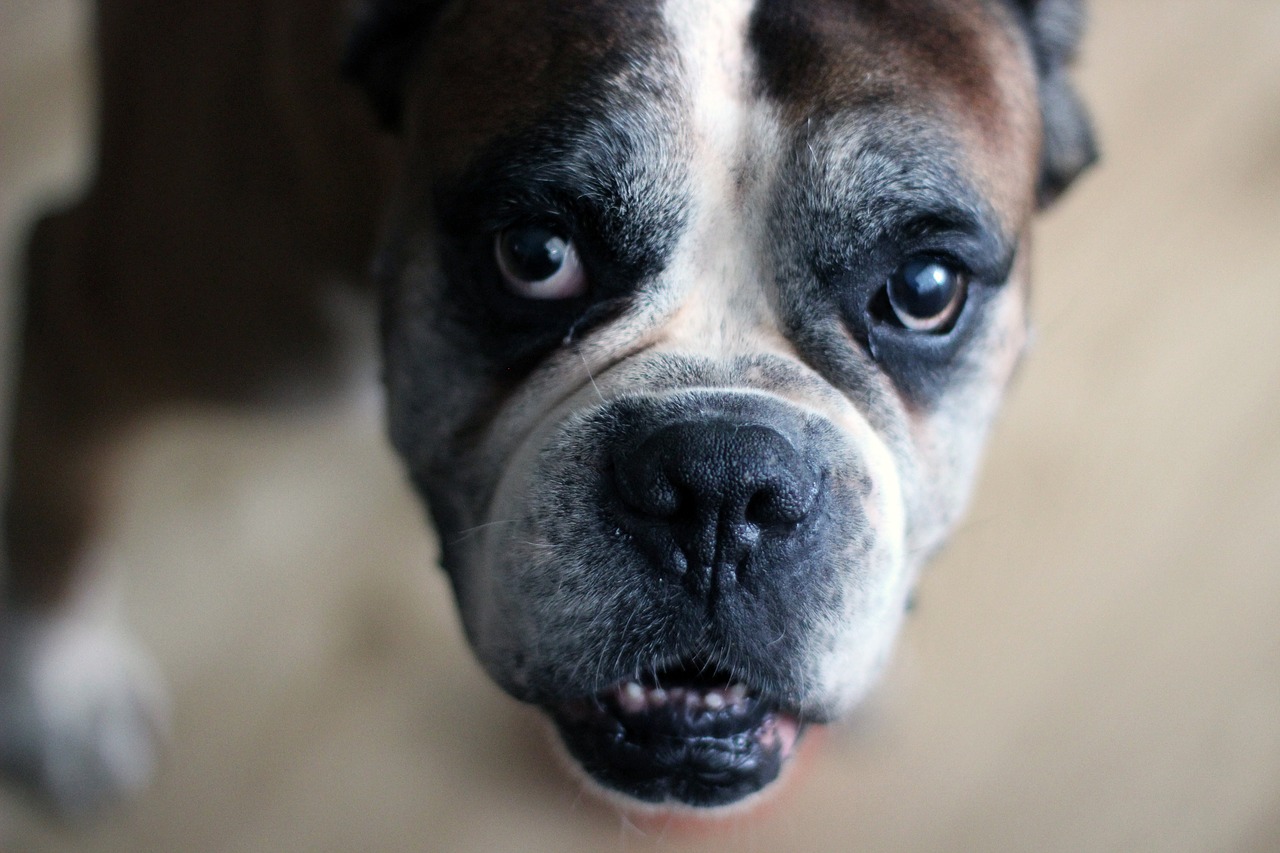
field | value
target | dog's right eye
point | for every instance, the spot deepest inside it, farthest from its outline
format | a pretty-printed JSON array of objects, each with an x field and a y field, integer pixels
[{"x": 538, "y": 262}]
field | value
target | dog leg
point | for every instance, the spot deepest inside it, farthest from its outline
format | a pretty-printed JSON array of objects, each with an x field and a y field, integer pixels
[
  {"x": 80, "y": 705},
  {"x": 236, "y": 181}
]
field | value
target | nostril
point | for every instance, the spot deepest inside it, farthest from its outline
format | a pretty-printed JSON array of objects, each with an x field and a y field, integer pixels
[
  {"x": 762, "y": 510},
  {"x": 767, "y": 508},
  {"x": 785, "y": 502}
]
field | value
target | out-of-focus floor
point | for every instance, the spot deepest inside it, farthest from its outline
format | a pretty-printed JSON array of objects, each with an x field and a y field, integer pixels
[{"x": 1095, "y": 662}]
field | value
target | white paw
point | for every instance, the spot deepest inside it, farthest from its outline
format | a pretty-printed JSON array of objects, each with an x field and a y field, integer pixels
[{"x": 82, "y": 711}]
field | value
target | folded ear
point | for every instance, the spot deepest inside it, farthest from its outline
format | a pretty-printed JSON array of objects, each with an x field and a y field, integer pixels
[
  {"x": 386, "y": 37},
  {"x": 1055, "y": 27}
]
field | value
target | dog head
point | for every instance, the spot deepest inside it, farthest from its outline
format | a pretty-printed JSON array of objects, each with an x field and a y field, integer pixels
[{"x": 697, "y": 313}]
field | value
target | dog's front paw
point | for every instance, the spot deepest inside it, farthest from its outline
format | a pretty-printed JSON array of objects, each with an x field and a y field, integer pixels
[{"x": 82, "y": 711}]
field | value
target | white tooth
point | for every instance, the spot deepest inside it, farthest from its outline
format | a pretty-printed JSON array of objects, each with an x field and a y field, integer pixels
[
  {"x": 676, "y": 694},
  {"x": 631, "y": 697},
  {"x": 693, "y": 700},
  {"x": 657, "y": 697},
  {"x": 736, "y": 693},
  {"x": 714, "y": 700}
]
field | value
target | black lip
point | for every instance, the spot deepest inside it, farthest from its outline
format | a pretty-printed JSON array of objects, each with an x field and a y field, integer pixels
[{"x": 701, "y": 758}]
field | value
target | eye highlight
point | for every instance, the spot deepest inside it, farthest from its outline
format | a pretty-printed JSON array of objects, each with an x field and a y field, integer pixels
[
  {"x": 537, "y": 262},
  {"x": 927, "y": 293}
]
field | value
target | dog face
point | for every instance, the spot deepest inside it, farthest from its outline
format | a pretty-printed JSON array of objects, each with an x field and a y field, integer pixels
[{"x": 696, "y": 316}]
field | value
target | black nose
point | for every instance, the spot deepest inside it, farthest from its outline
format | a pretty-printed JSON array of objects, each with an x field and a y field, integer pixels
[{"x": 701, "y": 496}]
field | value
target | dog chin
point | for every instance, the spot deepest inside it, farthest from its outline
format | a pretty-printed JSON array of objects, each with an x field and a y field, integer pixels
[{"x": 677, "y": 742}]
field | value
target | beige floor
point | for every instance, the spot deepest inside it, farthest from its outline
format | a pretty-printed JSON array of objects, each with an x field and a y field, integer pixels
[{"x": 1095, "y": 664}]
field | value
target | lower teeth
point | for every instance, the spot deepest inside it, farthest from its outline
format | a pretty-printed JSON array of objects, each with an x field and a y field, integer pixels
[{"x": 634, "y": 698}]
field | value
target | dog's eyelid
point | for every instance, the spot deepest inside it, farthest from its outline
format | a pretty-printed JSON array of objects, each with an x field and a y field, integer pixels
[
  {"x": 510, "y": 209},
  {"x": 945, "y": 221},
  {"x": 982, "y": 253},
  {"x": 514, "y": 207}
]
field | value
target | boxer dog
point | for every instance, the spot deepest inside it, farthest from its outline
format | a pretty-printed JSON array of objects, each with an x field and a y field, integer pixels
[{"x": 695, "y": 315}]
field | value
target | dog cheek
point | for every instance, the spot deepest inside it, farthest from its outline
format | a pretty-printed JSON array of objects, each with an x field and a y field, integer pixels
[
  {"x": 435, "y": 381},
  {"x": 546, "y": 594},
  {"x": 944, "y": 448},
  {"x": 552, "y": 622},
  {"x": 865, "y": 632},
  {"x": 858, "y": 636}
]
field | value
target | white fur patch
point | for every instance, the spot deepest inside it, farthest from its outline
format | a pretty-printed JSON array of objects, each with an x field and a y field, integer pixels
[
  {"x": 82, "y": 709},
  {"x": 719, "y": 267}
]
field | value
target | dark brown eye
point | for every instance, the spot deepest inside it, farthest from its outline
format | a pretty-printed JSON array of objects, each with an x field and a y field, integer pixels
[
  {"x": 926, "y": 294},
  {"x": 536, "y": 262}
]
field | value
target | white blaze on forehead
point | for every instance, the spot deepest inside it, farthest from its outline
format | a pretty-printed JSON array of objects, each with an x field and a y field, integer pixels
[
  {"x": 711, "y": 39},
  {"x": 722, "y": 275},
  {"x": 719, "y": 270}
]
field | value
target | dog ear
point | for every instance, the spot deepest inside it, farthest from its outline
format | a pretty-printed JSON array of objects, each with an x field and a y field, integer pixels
[
  {"x": 386, "y": 37},
  {"x": 1055, "y": 27}
]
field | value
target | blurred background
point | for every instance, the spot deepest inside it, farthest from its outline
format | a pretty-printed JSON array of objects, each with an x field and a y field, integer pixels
[{"x": 1095, "y": 661}]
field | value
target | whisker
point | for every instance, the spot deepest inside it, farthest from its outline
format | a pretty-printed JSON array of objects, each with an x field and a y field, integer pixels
[
  {"x": 590, "y": 376},
  {"x": 471, "y": 531}
]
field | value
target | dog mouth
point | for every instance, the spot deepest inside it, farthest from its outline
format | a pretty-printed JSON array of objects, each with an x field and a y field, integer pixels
[{"x": 682, "y": 736}]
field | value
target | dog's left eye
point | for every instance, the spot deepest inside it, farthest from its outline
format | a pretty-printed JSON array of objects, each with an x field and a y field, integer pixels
[
  {"x": 537, "y": 262},
  {"x": 926, "y": 294}
]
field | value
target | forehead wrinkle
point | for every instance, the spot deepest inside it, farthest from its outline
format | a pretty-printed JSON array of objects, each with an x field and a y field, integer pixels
[
  {"x": 598, "y": 155},
  {"x": 865, "y": 176},
  {"x": 892, "y": 181}
]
